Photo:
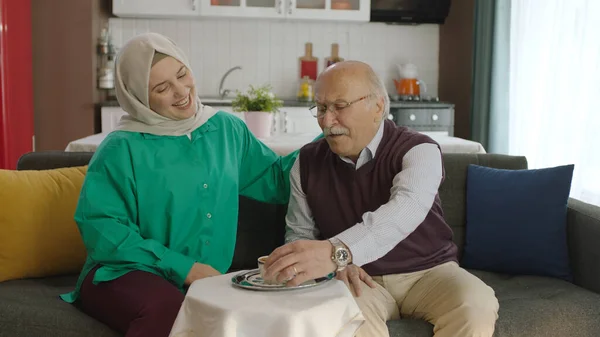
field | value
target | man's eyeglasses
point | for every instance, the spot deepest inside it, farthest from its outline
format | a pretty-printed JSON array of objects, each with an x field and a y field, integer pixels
[{"x": 320, "y": 110}]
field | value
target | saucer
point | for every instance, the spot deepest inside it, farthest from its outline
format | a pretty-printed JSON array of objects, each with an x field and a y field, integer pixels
[{"x": 251, "y": 280}]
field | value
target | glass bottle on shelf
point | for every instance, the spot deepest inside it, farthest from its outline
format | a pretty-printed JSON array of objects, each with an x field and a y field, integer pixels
[{"x": 306, "y": 90}]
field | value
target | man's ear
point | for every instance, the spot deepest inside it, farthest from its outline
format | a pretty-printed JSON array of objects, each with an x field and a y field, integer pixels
[{"x": 380, "y": 104}]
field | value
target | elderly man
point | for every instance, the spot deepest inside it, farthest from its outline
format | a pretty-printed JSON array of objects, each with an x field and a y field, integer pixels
[{"x": 365, "y": 203}]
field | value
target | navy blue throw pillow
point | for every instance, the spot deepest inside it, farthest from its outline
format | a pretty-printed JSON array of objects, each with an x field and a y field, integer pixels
[{"x": 516, "y": 221}]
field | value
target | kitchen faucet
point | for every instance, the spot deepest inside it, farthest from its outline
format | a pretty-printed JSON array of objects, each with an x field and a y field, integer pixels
[{"x": 225, "y": 92}]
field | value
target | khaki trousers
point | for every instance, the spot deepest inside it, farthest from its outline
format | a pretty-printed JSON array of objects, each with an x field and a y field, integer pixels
[{"x": 456, "y": 302}]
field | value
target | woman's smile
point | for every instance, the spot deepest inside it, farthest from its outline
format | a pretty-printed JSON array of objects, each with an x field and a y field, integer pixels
[{"x": 184, "y": 103}]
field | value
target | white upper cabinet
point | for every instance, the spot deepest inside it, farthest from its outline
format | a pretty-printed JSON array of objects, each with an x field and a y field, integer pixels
[
  {"x": 243, "y": 8},
  {"x": 324, "y": 10},
  {"x": 157, "y": 8},
  {"x": 331, "y": 10}
]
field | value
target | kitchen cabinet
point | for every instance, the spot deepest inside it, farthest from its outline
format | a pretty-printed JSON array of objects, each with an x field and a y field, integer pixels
[
  {"x": 325, "y": 10},
  {"x": 228, "y": 108},
  {"x": 109, "y": 118},
  {"x": 290, "y": 119},
  {"x": 241, "y": 8},
  {"x": 296, "y": 120},
  {"x": 425, "y": 116},
  {"x": 157, "y": 8},
  {"x": 330, "y": 10}
]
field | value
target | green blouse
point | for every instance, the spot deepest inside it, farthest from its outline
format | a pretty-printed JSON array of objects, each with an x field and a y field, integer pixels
[{"x": 161, "y": 203}]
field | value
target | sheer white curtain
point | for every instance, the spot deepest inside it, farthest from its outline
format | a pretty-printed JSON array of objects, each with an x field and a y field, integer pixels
[{"x": 555, "y": 88}]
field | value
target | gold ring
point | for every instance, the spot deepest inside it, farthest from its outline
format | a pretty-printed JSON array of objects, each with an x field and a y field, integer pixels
[{"x": 295, "y": 271}]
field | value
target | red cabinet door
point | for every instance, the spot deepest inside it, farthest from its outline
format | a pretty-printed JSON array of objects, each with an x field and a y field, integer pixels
[{"x": 16, "y": 82}]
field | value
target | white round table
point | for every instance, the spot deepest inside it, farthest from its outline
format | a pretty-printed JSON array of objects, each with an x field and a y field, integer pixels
[{"x": 215, "y": 307}]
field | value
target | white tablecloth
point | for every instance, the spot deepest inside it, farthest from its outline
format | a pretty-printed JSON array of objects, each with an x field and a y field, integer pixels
[
  {"x": 285, "y": 143},
  {"x": 214, "y": 307}
]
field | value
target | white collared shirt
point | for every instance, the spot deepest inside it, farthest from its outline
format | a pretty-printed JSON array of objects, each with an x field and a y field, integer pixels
[
  {"x": 368, "y": 152},
  {"x": 411, "y": 197}
]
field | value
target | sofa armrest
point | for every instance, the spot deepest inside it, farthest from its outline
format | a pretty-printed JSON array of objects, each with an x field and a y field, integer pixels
[{"x": 583, "y": 235}]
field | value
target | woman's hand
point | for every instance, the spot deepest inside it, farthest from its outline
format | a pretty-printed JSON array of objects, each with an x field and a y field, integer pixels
[{"x": 200, "y": 271}]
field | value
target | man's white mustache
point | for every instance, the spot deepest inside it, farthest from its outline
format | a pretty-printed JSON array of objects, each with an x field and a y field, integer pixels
[{"x": 336, "y": 130}]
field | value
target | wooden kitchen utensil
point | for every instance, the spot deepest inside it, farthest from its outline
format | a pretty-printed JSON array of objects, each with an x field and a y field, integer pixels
[
  {"x": 308, "y": 63},
  {"x": 334, "y": 58}
]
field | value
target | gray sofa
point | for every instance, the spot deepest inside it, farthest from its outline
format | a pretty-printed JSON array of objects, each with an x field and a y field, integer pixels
[{"x": 529, "y": 305}]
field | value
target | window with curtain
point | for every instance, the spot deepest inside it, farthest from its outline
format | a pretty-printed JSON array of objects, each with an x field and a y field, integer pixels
[{"x": 554, "y": 94}]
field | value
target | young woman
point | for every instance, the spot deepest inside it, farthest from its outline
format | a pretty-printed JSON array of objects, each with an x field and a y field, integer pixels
[{"x": 159, "y": 205}]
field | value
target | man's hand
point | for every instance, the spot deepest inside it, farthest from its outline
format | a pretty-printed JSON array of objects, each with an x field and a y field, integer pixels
[
  {"x": 300, "y": 261},
  {"x": 200, "y": 271},
  {"x": 355, "y": 275}
]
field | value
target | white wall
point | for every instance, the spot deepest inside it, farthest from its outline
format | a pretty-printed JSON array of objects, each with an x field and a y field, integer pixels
[{"x": 268, "y": 51}]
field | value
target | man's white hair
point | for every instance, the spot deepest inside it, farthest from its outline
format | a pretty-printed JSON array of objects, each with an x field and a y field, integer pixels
[{"x": 377, "y": 88}]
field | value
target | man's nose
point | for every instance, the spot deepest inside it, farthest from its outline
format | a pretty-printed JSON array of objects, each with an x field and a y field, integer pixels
[{"x": 329, "y": 116}]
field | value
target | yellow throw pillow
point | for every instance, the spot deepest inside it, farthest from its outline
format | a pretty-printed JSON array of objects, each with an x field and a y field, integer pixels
[{"x": 38, "y": 235}]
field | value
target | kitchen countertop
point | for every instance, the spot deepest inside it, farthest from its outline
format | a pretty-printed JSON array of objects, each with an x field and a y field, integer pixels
[
  {"x": 291, "y": 102},
  {"x": 226, "y": 102}
]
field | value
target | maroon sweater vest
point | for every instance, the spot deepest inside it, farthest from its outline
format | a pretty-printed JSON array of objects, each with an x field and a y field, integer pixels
[{"x": 338, "y": 196}]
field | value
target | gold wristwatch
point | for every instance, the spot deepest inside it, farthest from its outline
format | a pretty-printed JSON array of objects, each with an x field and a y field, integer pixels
[{"x": 340, "y": 254}]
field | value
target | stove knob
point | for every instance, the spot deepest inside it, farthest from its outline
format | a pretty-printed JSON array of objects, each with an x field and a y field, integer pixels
[{"x": 435, "y": 99}]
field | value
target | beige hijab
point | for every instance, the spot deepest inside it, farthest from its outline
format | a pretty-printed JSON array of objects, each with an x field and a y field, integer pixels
[{"x": 133, "y": 65}]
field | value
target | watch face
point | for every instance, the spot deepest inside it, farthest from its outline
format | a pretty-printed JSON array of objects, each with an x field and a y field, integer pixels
[{"x": 342, "y": 255}]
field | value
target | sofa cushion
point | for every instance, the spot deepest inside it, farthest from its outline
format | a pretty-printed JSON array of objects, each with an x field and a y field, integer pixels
[
  {"x": 261, "y": 229},
  {"x": 529, "y": 306},
  {"x": 38, "y": 235},
  {"x": 32, "y": 308},
  {"x": 453, "y": 190},
  {"x": 47, "y": 160},
  {"x": 517, "y": 220},
  {"x": 410, "y": 327},
  {"x": 543, "y": 306}
]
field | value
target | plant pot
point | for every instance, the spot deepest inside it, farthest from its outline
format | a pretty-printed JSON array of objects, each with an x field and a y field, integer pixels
[{"x": 259, "y": 123}]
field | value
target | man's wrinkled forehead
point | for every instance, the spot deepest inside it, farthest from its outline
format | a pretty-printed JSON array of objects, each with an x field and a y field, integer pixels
[{"x": 340, "y": 87}]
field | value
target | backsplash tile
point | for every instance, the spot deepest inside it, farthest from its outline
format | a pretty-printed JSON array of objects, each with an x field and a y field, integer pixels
[{"x": 268, "y": 51}]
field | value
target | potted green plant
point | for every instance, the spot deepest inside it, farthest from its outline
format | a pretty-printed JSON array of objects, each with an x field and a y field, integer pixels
[{"x": 258, "y": 105}]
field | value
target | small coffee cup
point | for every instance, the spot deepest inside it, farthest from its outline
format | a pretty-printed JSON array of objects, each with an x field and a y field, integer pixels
[{"x": 261, "y": 267}]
